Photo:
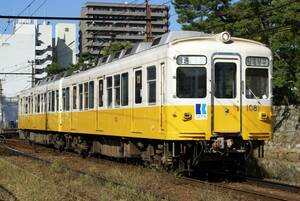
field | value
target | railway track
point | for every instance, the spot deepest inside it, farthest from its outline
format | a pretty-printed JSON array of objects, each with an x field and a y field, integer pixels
[
  {"x": 5, "y": 194},
  {"x": 269, "y": 190},
  {"x": 273, "y": 185},
  {"x": 101, "y": 179},
  {"x": 261, "y": 195}
]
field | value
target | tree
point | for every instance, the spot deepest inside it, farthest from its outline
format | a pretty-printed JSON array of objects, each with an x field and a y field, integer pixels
[
  {"x": 272, "y": 22},
  {"x": 115, "y": 47},
  {"x": 54, "y": 68},
  {"x": 83, "y": 58}
]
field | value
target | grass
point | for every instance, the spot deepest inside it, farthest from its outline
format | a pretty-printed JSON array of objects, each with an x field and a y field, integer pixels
[
  {"x": 34, "y": 181},
  {"x": 31, "y": 180}
]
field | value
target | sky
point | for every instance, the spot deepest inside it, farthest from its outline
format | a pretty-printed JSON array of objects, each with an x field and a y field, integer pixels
[{"x": 64, "y": 8}]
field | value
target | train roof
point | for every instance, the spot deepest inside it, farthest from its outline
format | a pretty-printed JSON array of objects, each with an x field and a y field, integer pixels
[{"x": 170, "y": 37}]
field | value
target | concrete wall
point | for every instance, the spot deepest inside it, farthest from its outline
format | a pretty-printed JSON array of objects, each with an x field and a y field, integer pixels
[{"x": 282, "y": 154}]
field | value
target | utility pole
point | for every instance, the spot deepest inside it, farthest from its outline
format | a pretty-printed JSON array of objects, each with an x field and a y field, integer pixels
[
  {"x": 32, "y": 73},
  {"x": 149, "y": 36}
]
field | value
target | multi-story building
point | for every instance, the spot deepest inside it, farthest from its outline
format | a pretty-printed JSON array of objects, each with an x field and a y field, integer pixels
[
  {"x": 43, "y": 49},
  {"x": 120, "y": 25},
  {"x": 65, "y": 43},
  {"x": 16, "y": 51}
]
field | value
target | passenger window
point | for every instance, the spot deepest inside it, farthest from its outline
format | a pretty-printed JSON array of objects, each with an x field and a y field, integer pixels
[
  {"x": 45, "y": 102},
  {"x": 91, "y": 94},
  {"x": 117, "y": 90},
  {"x": 38, "y": 103},
  {"x": 74, "y": 97},
  {"x": 191, "y": 82},
  {"x": 64, "y": 98},
  {"x": 80, "y": 96},
  {"x": 57, "y": 100},
  {"x": 35, "y": 103},
  {"x": 67, "y": 99},
  {"x": 109, "y": 91},
  {"x": 49, "y": 101},
  {"x": 151, "y": 84},
  {"x": 53, "y": 101},
  {"x": 86, "y": 95},
  {"x": 124, "y": 90},
  {"x": 138, "y": 86},
  {"x": 100, "y": 93}
]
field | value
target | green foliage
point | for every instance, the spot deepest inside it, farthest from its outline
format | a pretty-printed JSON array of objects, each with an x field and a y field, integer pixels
[
  {"x": 83, "y": 57},
  {"x": 272, "y": 22},
  {"x": 54, "y": 68},
  {"x": 114, "y": 47}
]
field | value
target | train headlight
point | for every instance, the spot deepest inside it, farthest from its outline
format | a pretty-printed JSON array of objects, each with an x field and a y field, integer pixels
[{"x": 225, "y": 37}]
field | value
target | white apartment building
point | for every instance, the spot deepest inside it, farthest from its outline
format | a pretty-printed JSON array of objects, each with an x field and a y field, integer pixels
[
  {"x": 43, "y": 49},
  {"x": 65, "y": 43},
  {"x": 29, "y": 43},
  {"x": 16, "y": 51}
]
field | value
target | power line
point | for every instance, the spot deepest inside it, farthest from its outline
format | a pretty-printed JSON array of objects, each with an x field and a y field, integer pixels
[
  {"x": 20, "y": 13},
  {"x": 18, "y": 17},
  {"x": 38, "y": 8},
  {"x": 73, "y": 18}
]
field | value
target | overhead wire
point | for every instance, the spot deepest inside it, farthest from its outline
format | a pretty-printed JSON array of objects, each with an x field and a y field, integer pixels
[
  {"x": 23, "y": 24},
  {"x": 20, "y": 13}
]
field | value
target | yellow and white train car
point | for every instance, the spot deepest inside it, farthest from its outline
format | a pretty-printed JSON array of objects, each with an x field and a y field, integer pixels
[{"x": 185, "y": 96}]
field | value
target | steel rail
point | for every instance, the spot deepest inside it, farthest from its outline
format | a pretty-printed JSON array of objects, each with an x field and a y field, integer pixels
[
  {"x": 264, "y": 196},
  {"x": 273, "y": 185},
  {"x": 9, "y": 193}
]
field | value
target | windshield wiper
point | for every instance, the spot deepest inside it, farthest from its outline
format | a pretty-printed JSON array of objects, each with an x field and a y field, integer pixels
[{"x": 254, "y": 95}]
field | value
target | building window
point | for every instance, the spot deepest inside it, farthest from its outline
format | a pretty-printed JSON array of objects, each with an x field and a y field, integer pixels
[
  {"x": 151, "y": 84},
  {"x": 109, "y": 91},
  {"x": 138, "y": 86},
  {"x": 91, "y": 94},
  {"x": 124, "y": 90},
  {"x": 66, "y": 29},
  {"x": 86, "y": 95},
  {"x": 117, "y": 90},
  {"x": 100, "y": 93}
]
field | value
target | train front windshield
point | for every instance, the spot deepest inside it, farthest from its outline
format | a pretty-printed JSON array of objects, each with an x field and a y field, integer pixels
[
  {"x": 257, "y": 83},
  {"x": 191, "y": 82}
]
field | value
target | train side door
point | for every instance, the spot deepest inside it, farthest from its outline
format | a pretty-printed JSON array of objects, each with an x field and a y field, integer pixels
[
  {"x": 60, "y": 106},
  {"x": 137, "y": 113},
  {"x": 226, "y": 113}
]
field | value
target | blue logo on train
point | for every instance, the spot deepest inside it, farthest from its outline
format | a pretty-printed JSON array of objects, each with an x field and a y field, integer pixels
[{"x": 201, "y": 111}]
